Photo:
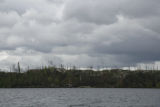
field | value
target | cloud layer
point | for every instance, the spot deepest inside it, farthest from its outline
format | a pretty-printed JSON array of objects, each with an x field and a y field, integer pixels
[{"x": 81, "y": 33}]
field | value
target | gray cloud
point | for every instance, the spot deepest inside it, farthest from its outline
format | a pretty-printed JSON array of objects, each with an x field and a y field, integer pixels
[
  {"x": 105, "y": 12},
  {"x": 93, "y": 32}
]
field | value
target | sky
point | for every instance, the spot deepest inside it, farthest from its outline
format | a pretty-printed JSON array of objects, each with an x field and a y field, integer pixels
[{"x": 79, "y": 32}]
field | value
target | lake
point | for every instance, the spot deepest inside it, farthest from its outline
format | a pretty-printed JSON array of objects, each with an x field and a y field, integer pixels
[{"x": 79, "y": 97}]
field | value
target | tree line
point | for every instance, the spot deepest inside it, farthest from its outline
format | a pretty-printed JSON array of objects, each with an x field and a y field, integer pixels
[{"x": 52, "y": 77}]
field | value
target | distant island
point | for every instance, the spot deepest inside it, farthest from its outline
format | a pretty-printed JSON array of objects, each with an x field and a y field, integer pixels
[{"x": 52, "y": 77}]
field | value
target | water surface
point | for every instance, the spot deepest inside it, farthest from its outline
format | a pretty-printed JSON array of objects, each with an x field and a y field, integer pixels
[{"x": 79, "y": 97}]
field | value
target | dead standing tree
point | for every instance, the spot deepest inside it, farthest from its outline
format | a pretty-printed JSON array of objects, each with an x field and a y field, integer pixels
[{"x": 19, "y": 69}]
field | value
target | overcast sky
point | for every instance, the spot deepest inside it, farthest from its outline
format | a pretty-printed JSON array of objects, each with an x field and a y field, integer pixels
[{"x": 79, "y": 32}]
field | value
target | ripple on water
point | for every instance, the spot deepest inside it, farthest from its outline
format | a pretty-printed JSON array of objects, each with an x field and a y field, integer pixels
[{"x": 79, "y": 97}]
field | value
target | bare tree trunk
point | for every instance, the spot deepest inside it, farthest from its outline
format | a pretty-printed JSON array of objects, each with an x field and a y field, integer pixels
[{"x": 19, "y": 69}]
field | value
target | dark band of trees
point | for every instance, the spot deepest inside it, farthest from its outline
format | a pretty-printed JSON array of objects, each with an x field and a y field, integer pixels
[{"x": 52, "y": 77}]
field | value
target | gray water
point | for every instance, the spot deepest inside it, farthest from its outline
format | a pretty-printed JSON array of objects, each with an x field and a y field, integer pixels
[{"x": 79, "y": 97}]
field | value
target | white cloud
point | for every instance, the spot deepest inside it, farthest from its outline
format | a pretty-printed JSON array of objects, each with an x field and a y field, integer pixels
[{"x": 84, "y": 33}]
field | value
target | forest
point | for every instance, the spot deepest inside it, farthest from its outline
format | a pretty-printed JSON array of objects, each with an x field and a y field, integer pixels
[{"x": 52, "y": 77}]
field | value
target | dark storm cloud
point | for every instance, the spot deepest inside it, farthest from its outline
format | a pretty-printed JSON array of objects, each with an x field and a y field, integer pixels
[{"x": 84, "y": 33}]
